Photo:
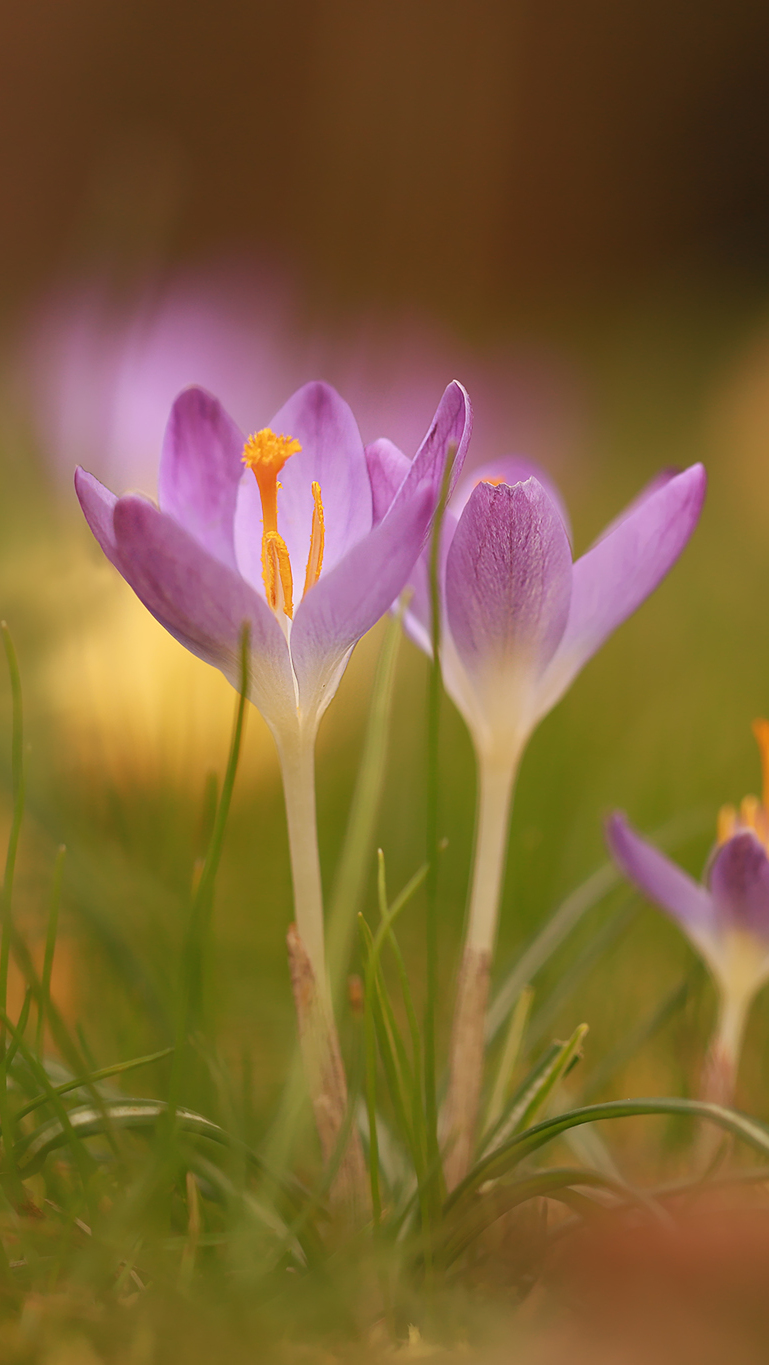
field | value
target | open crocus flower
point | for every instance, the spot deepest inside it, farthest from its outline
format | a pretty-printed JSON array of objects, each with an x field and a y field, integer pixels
[
  {"x": 520, "y": 620},
  {"x": 727, "y": 918},
  {"x": 276, "y": 532}
]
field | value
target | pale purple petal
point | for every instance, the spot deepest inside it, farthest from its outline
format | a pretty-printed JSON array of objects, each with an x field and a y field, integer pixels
[
  {"x": 739, "y": 884},
  {"x": 509, "y": 469},
  {"x": 332, "y": 455},
  {"x": 98, "y": 506},
  {"x": 660, "y": 880},
  {"x": 200, "y": 470},
  {"x": 508, "y": 579},
  {"x": 660, "y": 480},
  {"x": 349, "y": 600},
  {"x": 621, "y": 570},
  {"x": 387, "y": 468},
  {"x": 201, "y": 602},
  {"x": 451, "y": 426}
]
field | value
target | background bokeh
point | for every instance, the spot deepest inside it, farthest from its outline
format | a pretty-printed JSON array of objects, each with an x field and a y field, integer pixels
[{"x": 565, "y": 206}]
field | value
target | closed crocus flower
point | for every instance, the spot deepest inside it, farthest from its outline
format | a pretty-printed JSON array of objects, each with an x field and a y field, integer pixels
[
  {"x": 726, "y": 918},
  {"x": 520, "y": 619}
]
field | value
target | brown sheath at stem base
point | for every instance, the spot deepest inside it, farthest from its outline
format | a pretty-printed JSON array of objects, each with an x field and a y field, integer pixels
[
  {"x": 460, "y": 1116},
  {"x": 324, "y": 1071}
]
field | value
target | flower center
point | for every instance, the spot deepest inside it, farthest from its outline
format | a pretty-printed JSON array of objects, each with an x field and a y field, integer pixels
[
  {"x": 752, "y": 814},
  {"x": 266, "y": 453}
]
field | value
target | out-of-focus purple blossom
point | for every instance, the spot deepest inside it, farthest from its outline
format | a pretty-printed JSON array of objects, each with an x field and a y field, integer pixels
[
  {"x": 97, "y": 371},
  {"x": 224, "y": 549}
]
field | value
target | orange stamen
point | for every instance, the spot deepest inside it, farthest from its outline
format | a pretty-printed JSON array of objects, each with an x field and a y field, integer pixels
[
  {"x": 317, "y": 541},
  {"x": 276, "y": 571},
  {"x": 726, "y": 825}
]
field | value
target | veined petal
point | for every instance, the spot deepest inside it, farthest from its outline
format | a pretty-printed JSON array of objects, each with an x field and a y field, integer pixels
[
  {"x": 508, "y": 582},
  {"x": 332, "y": 456},
  {"x": 663, "y": 882},
  {"x": 739, "y": 885},
  {"x": 621, "y": 570},
  {"x": 200, "y": 470},
  {"x": 510, "y": 469},
  {"x": 203, "y": 603},
  {"x": 98, "y": 505}
]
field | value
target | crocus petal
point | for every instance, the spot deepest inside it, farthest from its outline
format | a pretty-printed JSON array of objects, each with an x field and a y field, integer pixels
[
  {"x": 508, "y": 579},
  {"x": 332, "y": 456},
  {"x": 203, "y": 603},
  {"x": 621, "y": 570},
  {"x": 509, "y": 469},
  {"x": 200, "y": 470},
  {"x": 98, "y": 506},
  {"x": 347, "y": 601},
  {"x": 739, "y": 884},
  {"x": 663, "y": 882},
  {"x": 387, "y": 468}
]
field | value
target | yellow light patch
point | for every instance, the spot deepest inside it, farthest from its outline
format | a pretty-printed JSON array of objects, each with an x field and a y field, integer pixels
[{"x": 317, "y": 541}]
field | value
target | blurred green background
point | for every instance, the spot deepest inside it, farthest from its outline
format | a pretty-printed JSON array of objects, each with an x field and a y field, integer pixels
[{"x": 572, "y": 199}]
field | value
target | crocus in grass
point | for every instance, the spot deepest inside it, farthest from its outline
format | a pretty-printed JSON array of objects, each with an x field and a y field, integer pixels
[
  {"x": 520, "y": 620},
  {"x": 276, "y": 532},
  {"x": 726, "y": 918}
]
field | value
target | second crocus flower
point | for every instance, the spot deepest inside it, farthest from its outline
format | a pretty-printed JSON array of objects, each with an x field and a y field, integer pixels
[{"x": 520, "y": 621}]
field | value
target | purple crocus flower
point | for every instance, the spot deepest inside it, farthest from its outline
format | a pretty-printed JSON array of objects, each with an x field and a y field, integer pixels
[
  {"x": 520, "y": 619},
  {"x": 726, "y": 918},
  {"x": 300, "y": 559}
]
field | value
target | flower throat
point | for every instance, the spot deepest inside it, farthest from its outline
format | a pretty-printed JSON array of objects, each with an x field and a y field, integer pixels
[{"x": 266, "y": 453}]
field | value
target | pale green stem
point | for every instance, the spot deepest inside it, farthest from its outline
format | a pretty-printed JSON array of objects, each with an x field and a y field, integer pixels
[
  {"x": 495, "y": 793},
  {"x": 496, "y": 778},
  {"x": 723, "y": 1059},
  {"x": 297, "y": 761}
]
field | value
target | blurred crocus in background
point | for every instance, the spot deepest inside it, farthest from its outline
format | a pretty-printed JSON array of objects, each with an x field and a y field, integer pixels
[
  {"x": 726, "y": 919},
  {"x": 520, "y": 621}
]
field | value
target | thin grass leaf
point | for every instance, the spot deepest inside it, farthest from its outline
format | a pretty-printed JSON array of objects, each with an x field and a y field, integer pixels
[
  {"x": 619, "y": 1056},
  {"x": 508, "y": 1061},
  {"x": 375, "y": 994},
  {"x": 50, "y": 946},
  {"x": 80, "y": 1082},
  {"x": 505, "y": 1158},
  {"x": 569, "y": 913},
  {"x": 21, "y": 1025},
  {"x": 435, "y": 689},
  {"x": 520, "y": 1096},
  {"x": 17, "y": 787},
  {"x": 502, "y": 1199},
  {"x": 353, "y": 865}
]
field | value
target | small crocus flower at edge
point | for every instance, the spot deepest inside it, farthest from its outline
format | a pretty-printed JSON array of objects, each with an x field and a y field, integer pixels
[
  {"x": 520, "y": 620},
  {"x": 726, "y": 918}
]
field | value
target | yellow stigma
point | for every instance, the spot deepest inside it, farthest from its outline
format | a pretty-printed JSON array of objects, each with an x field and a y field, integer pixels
[
  {"x": 752, "y": 814},
  {"x": 317, "y": 541},
  {"x": 266, "y": 453}
]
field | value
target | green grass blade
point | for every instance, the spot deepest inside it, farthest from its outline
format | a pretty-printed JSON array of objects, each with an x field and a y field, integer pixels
[
  {"x": 434, "y": 696},
  {"x": 358, "y": 844},
  {"x": 505, "y": 1158},
  {"x": 50, "y": 946},
  {"x": 80, "y": 1082},
  {"x": 539, "y": 1091},
  {"x": 508, "y": 1061},
  {"x": 17, "y": 785}
]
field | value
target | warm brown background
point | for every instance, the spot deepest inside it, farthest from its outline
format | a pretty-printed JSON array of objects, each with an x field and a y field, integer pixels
[{"x": 472, "y": 156}]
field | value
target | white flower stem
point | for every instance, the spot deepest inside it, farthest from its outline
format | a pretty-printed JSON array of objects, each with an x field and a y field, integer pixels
[
  {"x": 297, "y": 761},
  {"x": 318, "y": 1037},
  {"x": 496, "y": 777},
  {"x": 719, "y": 1075}
]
